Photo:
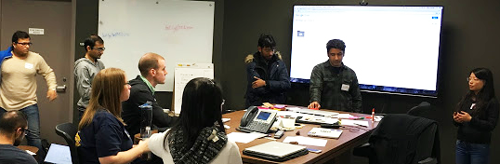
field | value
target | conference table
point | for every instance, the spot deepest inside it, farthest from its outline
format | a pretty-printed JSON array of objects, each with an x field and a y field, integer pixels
[{"x": 352, "y": 136}]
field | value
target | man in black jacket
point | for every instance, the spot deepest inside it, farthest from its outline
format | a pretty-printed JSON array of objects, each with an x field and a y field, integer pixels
[
  {"x": 267, "y": 77},
  {"x": 153, "y": 72}
]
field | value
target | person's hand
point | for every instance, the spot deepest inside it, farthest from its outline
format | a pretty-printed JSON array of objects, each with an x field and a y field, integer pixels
[
  {"x": 258, "y": 82},
  {"x": 51, "y": 94},
  {"x": 142, "y": 146},
  {"x": 455, "y": 117},
  {"x": 314, "y": 105},
  {"x": 463, "y": 116}
]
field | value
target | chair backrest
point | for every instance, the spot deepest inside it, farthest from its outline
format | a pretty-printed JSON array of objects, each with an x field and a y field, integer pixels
[
  {"x": 420, "y": 110},
  {"x": 68, "y": 131},
  {"x": 404, "y": 139}
]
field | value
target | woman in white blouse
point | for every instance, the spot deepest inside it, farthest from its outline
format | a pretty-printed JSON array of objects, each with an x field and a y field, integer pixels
[{"x": 199, "y": 135}]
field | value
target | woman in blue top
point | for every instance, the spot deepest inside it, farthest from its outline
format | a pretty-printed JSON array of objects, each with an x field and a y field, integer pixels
[
  {"x": 476, "y": 116},
  {"x": 102, "y": 137}
]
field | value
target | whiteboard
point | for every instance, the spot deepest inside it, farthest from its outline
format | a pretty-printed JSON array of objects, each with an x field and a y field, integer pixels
[
  {"x": 180, "y": 31},
  {"x": 183, "y": 74}
]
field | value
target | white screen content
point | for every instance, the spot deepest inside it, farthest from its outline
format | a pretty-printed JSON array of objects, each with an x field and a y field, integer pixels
[{"x": 387, "y": 46}]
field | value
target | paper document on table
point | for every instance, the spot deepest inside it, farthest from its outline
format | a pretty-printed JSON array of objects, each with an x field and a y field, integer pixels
[
  {"x": 354, "y": 122},
  {"x": 306, "y": 140},
  {"x": 244, "y": 137},
  {"x": 344, "y": 116},
  {"x": 288, "y": 114},
  {"x": 30, "y": 153},
  {"x": 58, "y": 154}
]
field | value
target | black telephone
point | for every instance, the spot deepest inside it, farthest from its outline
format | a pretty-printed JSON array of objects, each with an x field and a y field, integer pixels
[{"x": 256, "y": 120}]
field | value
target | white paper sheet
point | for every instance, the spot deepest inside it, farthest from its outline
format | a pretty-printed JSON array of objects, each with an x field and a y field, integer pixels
[
  {"x": 244, "y": 137},
  {"x": 59, "y": 154},
  {"x": 306, "y": 140},
  {"x": 345, "y": 116},
  {"x": 30, "y": 152},
  {"x": 354, "y": 122}
]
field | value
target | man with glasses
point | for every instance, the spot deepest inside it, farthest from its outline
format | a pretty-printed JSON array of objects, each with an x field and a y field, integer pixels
[
  {"x": 18, "y": 85},
  {"x": 333, "y": 84},
  {"x": 267, "y": 77},
  {"x": 13, "y": 127},
  {"x": 153, "y": 72},
  {"x": 86, "y": 68}
]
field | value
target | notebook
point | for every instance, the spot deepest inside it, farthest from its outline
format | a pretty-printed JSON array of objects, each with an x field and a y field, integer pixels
[
  {"x": 276, "y": 151},
  {"x": 323, "y": 132},
  {"x": 59, "y": 154}
]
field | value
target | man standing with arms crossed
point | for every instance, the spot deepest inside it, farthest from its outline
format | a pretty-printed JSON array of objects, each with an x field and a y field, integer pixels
[
  {"x": 19, "y": 66},
  {"x": 86, "y": 68}
]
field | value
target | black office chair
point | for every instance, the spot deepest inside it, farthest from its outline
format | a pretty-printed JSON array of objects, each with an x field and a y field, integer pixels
[
  {"x": 420, "y": 110},
  {"x": 68, "y": 132},
  {"x": 402, "y": 139}
]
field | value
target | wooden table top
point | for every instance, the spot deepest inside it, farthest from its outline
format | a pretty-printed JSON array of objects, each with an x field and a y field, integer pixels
[
  {"x": 30, "y": 148},
  {"x": 350, "y": 138}
]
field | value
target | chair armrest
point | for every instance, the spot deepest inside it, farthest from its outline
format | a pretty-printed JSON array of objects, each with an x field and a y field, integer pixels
[
  {"x": 428, "y": 160},
  {"x": 363, "y": 150}
]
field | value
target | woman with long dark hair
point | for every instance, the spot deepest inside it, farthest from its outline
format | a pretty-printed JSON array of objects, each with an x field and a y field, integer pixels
[
  {"x": 199, "y": 135},
  {"x": 476, "y": 116}
]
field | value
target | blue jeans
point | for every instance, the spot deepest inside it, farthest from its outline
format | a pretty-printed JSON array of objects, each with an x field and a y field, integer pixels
[
  {"x": 33, "y": 135},
  {"x": 469, "y": 153}
]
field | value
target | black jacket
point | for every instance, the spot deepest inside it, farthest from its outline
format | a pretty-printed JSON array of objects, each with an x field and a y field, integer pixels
[
  {"x": 480, "y": 127},
  {"x": 396, "y": 138},
  {"x": 131, "y": 114},
  {"x": 273, "y": 72}
]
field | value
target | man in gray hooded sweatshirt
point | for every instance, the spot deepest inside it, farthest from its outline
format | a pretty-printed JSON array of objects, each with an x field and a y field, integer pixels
[{"x": 86, "y": 68}]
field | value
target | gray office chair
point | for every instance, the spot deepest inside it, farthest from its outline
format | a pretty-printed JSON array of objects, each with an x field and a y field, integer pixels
[{"x": 68, "y": 132}]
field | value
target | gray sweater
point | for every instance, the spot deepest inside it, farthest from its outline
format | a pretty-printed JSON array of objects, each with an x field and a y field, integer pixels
[{"x": 84, "y": 72}]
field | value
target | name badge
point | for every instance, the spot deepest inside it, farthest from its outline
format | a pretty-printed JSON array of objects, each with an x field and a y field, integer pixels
[
  {"x": 28, "y": 65},
  {"x": 345, "y": 87}
]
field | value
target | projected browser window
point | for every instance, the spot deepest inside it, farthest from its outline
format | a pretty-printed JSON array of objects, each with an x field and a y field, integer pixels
[{"x": 391, "y": 48}]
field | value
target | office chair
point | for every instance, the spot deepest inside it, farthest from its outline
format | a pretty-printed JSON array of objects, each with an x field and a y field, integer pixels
[
  {"x": 68, "y": 132},
  {"x": 420, "y": 110},
  {"x": 402, "y": 139}
]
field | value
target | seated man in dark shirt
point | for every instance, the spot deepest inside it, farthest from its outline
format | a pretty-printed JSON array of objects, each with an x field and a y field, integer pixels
[
  {"x": 13, "y": 126},
  {"x": 153, "y": 72}
]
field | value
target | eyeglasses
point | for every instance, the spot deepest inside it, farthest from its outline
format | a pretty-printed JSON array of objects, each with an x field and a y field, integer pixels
[
  {"x": 25, "y": 131},
  {"x": 100, "y": 49},
  {"x": 25, "y": 44},
  {"x": 473, "y": 79}
]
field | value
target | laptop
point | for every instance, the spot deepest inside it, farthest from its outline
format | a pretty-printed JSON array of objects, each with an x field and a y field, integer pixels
[
  {"x": 276, "y": 151},
  {"x": 324, "y": 132}
]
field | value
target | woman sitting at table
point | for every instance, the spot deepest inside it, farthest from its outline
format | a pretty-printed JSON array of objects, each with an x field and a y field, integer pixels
[
  {"x": 102, "y": 137},
  {"x": 199, "y": 135}
]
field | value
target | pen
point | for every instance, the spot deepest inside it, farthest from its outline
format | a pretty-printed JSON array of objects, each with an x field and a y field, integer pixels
[{"x": 361, "y": 125}]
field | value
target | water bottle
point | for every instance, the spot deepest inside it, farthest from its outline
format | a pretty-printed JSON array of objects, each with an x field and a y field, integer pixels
[{"x": 146, "y": 124}]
